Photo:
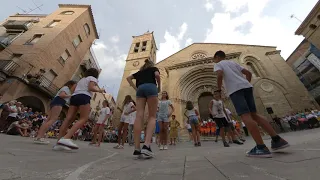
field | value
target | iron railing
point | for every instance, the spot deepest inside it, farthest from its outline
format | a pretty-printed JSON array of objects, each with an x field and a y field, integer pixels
[
  {"x": 44, "y": 84},
  {"x": 8, "y": 66}
]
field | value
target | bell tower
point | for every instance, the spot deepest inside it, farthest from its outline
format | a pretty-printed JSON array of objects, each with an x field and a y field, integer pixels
[{"x": 142, "y": 48}]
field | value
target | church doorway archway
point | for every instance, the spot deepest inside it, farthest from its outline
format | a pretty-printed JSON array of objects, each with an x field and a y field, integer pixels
[
  {"x": 32, "y": 102},
  {"x": 203, "y": 103}
]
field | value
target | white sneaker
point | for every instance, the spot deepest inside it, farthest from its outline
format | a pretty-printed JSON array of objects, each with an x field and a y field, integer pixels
[
  {"x": 161, "y": 147},
  {"x": 60, "y": 148},
  {"x": 40, "y": 141},
  {"x": 68, "y": 143},
  {"x": 165, "y": 147}
]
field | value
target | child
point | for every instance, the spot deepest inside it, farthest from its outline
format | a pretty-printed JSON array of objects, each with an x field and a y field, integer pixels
[
  {"x": 102, "y": 121},
  {"x": 128, "y": 107},
  {"x": 216, "y": 108},
  {"x": 241, "y": 93},
  {"x": 174, "y": 125},
  {"x": 61, "y": 98},
  {"x": 193, "y": 117},
  {"x": 79, "y": 101}
]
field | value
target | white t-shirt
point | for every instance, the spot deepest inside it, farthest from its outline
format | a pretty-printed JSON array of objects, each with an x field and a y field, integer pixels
[
  {"x": 126, "y": 109},
  {"x": 103, "y": 113},
  {"x": 217, "y": 109},
  {"x": 14, "y": 114},
  {"x": 82, "y": 86},
  {"x": 66, "y": 90},
  {"x": 233, "y": 78},
  {"x": 133, "y": 117},
  {"x": 234, "y": 122},
  {"x": 188, "y": 126},
  {"x": 191, "y": 112}
]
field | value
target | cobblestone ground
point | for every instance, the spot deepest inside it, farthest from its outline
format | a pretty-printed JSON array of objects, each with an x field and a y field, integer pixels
[{"x": 20, "y": 159}]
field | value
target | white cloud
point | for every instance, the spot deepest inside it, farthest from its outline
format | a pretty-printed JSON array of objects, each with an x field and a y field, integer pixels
[
  {"x": 209, "y": 5},
  {"x": 115, "y": 39},
  {"x": 265, "y": 30},
  {"x": 112, "y": 63},
  {"x": 188, "y": 42},
  {"x": 172, "y": 43}
]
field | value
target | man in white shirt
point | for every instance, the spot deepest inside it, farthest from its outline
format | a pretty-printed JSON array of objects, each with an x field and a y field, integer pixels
[{"x": 241, "y": 93}]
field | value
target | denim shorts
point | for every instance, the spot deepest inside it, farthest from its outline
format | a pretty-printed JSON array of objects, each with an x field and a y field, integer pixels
[
  {"x": 57, "y": 101},
  {"x": 193, "y": 120},
  {"x": 243, "y": 101},
  {"x": 163, "y": 118},
  {"x": 147, "y": 90},
  {"x": 79, "y": 100}
]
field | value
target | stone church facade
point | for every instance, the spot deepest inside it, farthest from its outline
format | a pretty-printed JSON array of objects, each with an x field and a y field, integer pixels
[{"x": 188, "y": 75}]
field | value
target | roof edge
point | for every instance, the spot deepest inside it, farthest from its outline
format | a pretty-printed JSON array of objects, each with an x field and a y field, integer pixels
[{"x": 312, "y": 13}]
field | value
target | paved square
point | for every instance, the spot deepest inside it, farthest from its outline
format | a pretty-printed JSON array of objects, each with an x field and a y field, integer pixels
[{"x": 21, "y": 159}]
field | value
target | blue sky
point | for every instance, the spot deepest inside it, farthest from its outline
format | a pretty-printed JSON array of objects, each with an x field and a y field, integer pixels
[{"x": 177, "y": 24}]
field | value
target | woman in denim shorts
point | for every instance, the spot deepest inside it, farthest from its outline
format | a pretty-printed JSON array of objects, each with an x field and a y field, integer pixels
[
  {"x": 193, "y": 117},
  {"x": 147, "y": 79}
]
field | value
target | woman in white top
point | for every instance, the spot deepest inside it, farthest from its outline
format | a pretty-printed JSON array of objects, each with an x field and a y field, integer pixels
[
  {"x": 102, "y": 121},
  {"x": 193, "y": 118},
  {"x": 56, "y": 105},
  {"x": 13, "y": 112},
  {"x": 128, "y": 108},
  {"x": 79, "y": 101}
]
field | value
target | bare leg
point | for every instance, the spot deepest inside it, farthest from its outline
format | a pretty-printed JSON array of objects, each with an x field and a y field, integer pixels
[
  {"x": 161, "y": 125},
  {"x": 194, "y": 133},
  {"x": 120, "y": 134},
  {"x": 84, "y": 114},
  {"x": 253, "y": 128},
  {"x": 54, "y": 114},
  {"x": 124, "y": 133},
  {"x": 152, "y": 108},
  {"x": 165, "y": 133},
  {"x": 141, "y": 103},
  {"x": 95, "y": 134},
  {"x": 72, "y": 112},
  {"x": 101, "y": 132},
  {"x": 263, "y": 122}
]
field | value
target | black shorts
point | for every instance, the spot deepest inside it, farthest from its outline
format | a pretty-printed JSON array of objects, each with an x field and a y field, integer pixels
[
  {"x": 57, "y": 101},
  {"x": 221, "y": 122},
  {"x": 79, "y": 100}
]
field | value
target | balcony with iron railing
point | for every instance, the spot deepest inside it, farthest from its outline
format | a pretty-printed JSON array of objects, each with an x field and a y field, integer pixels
[
  {"x": 15, "y": 24},
  {"x": 43, "y": 84},
  {"x": 8, "y": 66},
  {"x": 86, "y": 64}
]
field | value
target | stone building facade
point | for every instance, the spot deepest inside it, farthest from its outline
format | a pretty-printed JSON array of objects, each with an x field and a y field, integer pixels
[
  {"x": 39, "y": 53},
  {"x": 188, "y": 75}
]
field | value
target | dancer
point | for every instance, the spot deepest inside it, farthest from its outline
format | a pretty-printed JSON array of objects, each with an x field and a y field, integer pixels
[
  {"x": 79, "y": 101},
  {"x": 104, "y": 115},
  {"x": 216, "y": 108},
  {"x": 56, "y": 105},
  {"x": 128, "y": 107},
  {"x": 193, "y": 117},
  {"x": 147, "y": 79},
  {"x": 163, "y": 118},
  {"x": 241, "y": 93},
  {"x": 174, "y": 127}
]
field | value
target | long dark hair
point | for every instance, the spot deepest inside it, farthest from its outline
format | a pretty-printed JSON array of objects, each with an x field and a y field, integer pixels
[
  {"x": 106, "y": 102},
  {"x": 70, "y": 83},
  {"x": 147, "y": 64},
  {"x": 167, "y": 96},
  {"x": 92, "y": 72},
  {"x": 189, "y": 105},
  {"x": 127, "y": 100}
]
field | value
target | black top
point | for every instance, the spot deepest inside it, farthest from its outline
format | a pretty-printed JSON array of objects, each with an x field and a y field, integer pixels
[{"x": 145, "y": 76}]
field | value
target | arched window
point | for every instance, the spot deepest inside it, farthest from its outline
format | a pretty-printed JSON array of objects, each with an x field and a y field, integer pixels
[
  {"x": 86, "y": 29},
  {"x": 67, "y": 12},
  {"x": 252, "y": 69}
]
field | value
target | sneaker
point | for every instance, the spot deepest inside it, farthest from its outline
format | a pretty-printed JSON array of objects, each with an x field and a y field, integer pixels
[
  {"x": 237, "y": 142},
  {"x": 225, "y": 144},
  {"x": 215, "y": 140},
  {"x": 161, "y": 147},
  {"x": 279, "y": 145},
  {"x": 60, "y": 148},
  {"x": 243, "y": 140},
  {"x": 199, "y": 143},
  {"x": 260, "y": 153},
  {"x": 165, "y": 147},
  {"x": 146, "y": 151},
  {"x": 195, "y": 144},
  {"x": 137, "y": 152},
  {"x": 117, "y": 146},
  {"x": 68, "y": 143},
  {"x": 230, "y": 142},
  {"x": 40, "y": 141}
]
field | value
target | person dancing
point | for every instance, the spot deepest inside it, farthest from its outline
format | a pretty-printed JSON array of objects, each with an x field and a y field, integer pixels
[
  {"x": 147, "y": 79},
  {"x": 128, "y": 107},
  {"x": 56, "y": 105},
  {"x": 104, "y": 115},
  {"x": 79, "y": 101},
  {"x": 163, "y": 118}
]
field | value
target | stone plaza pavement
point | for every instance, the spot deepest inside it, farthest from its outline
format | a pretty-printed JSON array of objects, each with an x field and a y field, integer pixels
[{"x": 20, "y": 159}]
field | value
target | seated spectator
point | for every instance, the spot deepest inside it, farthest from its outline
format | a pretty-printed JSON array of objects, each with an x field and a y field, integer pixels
[
  {"x": 312, "y": 120},
  {"x": 18, "y": 128}
]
